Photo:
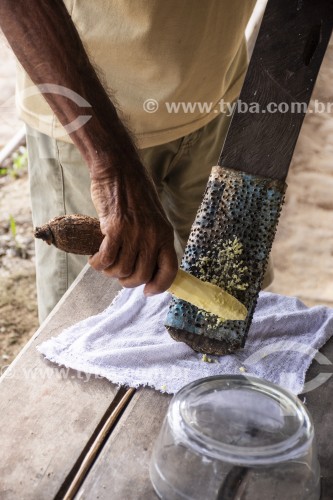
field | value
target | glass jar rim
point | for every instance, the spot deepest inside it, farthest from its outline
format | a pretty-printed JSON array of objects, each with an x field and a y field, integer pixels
[{"x": 290, "y": 448}]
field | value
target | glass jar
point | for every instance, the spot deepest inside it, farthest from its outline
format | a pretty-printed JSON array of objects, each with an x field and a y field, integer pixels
[{"x": 235, "y": 437}]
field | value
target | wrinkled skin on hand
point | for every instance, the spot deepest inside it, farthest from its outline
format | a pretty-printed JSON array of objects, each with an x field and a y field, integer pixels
[{"x": 138, "y": 246}]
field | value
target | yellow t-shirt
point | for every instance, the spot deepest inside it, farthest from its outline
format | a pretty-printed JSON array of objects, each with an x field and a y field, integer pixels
[{"x": 188, "y": 52}]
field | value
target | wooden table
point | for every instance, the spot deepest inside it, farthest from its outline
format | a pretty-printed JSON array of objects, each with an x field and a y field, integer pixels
[{"x": 64, "y": 434}]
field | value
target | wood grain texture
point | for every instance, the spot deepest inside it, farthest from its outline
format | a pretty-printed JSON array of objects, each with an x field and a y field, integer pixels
[
  {"x": 319, "y": 402},
  {"x": 69, "y": 490},
  {"x": 283, "y": 69},
  {"x": 121, "y": 470},
  {"x": 48, "y": 414}
]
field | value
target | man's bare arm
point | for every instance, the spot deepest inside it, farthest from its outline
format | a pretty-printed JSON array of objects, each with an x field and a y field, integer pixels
[{"x": 138, "y": 247}]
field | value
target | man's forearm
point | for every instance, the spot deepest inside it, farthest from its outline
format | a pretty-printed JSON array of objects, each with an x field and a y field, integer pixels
[
  {"x": 138, "y": 244},
  {"x": 46, "y": 43}
]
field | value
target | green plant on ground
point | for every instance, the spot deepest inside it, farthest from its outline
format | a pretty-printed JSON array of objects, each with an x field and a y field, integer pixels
[
  {"x": 12, "y": 225},
  {"x": 17, "y": 164},
  {"x": 13, "y": 230}
]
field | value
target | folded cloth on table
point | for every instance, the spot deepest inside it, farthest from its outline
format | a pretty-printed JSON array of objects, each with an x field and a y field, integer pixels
[{"x": 128, "y": 344}]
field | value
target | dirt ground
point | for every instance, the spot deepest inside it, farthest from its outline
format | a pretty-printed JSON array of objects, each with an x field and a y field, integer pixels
[
  {"x": 18, "y": 312},
  {"x": 302, "y": 251}
]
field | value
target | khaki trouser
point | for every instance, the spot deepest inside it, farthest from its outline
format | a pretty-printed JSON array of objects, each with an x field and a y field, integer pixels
[{"x": 60, "y": 184}]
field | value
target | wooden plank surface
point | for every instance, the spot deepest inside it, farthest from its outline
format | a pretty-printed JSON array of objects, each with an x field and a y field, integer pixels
[
  {"x": 50, "y": 418},
  {"x": 122, "y": 469},
  {"x": 48, "y": 414}
]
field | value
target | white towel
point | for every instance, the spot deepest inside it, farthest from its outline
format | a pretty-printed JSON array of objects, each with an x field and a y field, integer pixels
[{"x": 128, "y": 344}]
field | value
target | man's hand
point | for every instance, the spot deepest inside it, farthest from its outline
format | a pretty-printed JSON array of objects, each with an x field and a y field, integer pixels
[{"x": 138, "y": 245}]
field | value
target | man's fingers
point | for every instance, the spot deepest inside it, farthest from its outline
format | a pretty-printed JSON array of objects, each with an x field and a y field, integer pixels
[
  {"x": 106, "y": 256},
  {"x": 124, "y": 265},
  {"x": 165, "y": 273},
  {"x": 143, "y": 271}
]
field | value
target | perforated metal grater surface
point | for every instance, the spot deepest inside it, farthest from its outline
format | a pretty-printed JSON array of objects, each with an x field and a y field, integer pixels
[{"x": 229, "y": 245}]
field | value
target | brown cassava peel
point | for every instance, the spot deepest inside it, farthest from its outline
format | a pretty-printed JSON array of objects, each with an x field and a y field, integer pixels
[{"x": 78, "y": 234}]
